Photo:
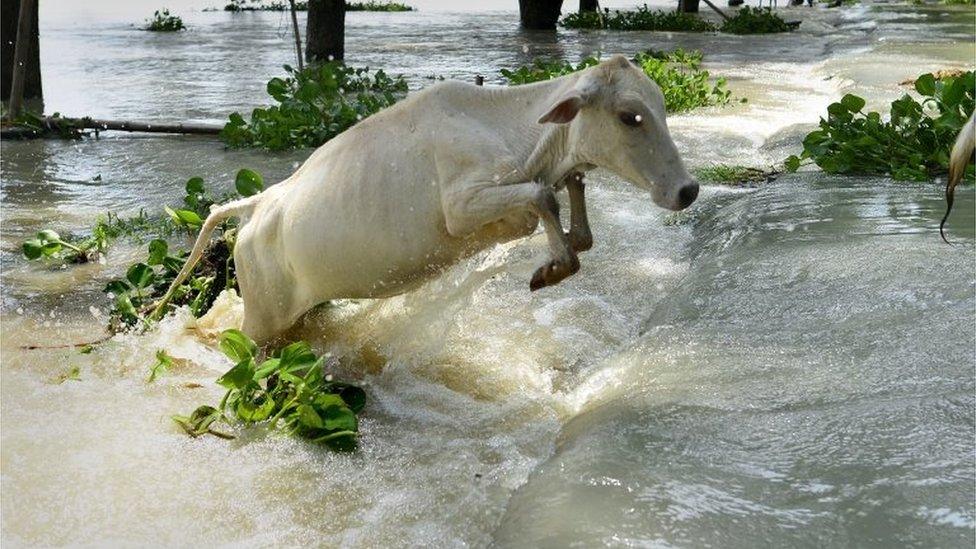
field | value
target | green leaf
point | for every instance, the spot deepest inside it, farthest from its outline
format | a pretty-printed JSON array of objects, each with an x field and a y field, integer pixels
[
  {"x": 297, "y": 355},
  {"x": 792, "y": 163},
  {"x": 48, "y": 235},
  {"x": 140, "y": 275},
  {"x": 925, "y": 84},
  {"x": 50, "y": 248},
  {"x": 163, "y": 363},
  {"x": 199, "y": 422},
  {"x": 158, "y": 249},
  {"x": 32, "y": 248},
  {"x": 266, "y": 368},
  {"x": 237, "y": 346},
  {"x": 187, "y": 218},
  {"x": 853, "y": 103},
  {"x": 248, "y": 182},
  {"x": 339, "y": 418},
  {"x": 250, "y": 412},
  {"x": 238, "y": 377},
  {"x": 354, "y": 397},
  {"x": 117, "y": 287},
  {"x": 194, "y": 185},
  {"x": 308, "y": 417}
]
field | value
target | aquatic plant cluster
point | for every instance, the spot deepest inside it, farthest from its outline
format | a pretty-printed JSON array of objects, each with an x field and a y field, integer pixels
[
  {"x": 749, "y": 20},
  {"x": 683, "y": 82},
  {"x": 277, "y": 5},
  {"x": 641, "y": 18},
  {"x": 746, "y": 20},
  {"x": 163, "y": 21},
  {"x": 314, "y": 105},
  {"x": 288, "y": 390},
  {"x": 913, "y": 144}
]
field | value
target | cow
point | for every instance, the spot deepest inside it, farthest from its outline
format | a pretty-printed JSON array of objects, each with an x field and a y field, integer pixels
[{"x": 447, "y": 172}]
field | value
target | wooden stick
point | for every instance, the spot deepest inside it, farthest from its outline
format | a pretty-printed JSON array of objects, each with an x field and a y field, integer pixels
[
  {"x": 298, "y": 37},
  {"x": 718, "y": 11},
  {"x": 24, "y": 23},
  {"x": 88, "y": 123}
]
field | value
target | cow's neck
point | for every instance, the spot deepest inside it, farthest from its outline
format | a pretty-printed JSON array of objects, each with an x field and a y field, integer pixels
[{"x": 544, "y": 148}]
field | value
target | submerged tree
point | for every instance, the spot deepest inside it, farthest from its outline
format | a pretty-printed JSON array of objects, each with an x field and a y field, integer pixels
[
  {"x": 325, "y": 32},
  {"x": 539, "y": 14},
  {"x": 9, "y": 17}
]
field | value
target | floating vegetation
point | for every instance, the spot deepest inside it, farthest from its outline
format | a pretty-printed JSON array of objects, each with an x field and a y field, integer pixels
[
  {"x": 745, "y": 21},
  {"x": 914, "y": 144},
  {"x": 30, "y": 124},
  {"x": 372, "y": 5},
  {"x": 735, "y": 175},
  {"x": 163, "y": 21},
  {"x": 314, "y": 105},
  {"x": 641, "y": 18},
  {"x": 683, "y": 82},
  {"x": 756, "y": 21},
  {"x": 262, "y": 5},
  {"x": 289, "y": 390}
]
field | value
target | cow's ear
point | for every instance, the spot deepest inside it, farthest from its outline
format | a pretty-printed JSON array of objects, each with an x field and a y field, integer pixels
[{"x": 564, "y": 110}]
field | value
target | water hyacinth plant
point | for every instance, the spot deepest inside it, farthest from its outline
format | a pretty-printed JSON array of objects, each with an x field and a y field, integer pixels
[
  {"x": 755, "y": 21},
  {"x": 373, "y": 5},
  {"x": 314, "y": 105},
  {"x": 278, "y": 5},
  {"x": 163, "y": 21},
  {"x": 915, "y": 142},
  {"x": 289, "y": 390},
  {"x": 641, "y": 18},
  {"x": 679, "y": 74}
]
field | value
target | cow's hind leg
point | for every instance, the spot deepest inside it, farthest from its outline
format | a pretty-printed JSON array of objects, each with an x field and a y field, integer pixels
[{"x": 273, "y": 299}]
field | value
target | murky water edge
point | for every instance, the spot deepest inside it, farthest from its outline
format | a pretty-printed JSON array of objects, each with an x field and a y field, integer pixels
[{"x": 791, "y": 364}]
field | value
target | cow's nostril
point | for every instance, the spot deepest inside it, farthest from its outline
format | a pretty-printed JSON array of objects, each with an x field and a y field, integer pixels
[{"x": 687, "y": 195}]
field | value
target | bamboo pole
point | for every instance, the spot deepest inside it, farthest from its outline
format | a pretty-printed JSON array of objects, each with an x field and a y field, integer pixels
[
  {"x": 718, "y": 11},
  {"x": 89, "y": 123},
  {"x": 298, "y": 37},
  {"x": 21, "y": 47}
]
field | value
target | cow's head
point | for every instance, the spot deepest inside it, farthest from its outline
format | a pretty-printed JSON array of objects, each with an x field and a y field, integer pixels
[{"x": 617, "y": 121}]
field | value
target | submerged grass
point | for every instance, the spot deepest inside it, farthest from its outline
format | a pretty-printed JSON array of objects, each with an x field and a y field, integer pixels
[{"x": 735, "y": 175}]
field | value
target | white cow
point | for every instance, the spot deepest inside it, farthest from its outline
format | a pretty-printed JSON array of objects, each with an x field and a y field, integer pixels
[{"x": 447, "y": 172}]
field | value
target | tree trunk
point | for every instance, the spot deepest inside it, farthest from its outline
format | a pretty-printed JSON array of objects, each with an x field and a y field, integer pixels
[
  {"x": 9, "y": 16},
  {"x": 325, "y": 34},
  {"x": 539, "y": 14},
  {"x": 688, "y": 6},
  {"x": 589, "y": 5}
]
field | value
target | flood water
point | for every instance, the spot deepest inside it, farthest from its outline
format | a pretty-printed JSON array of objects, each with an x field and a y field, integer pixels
[{"x": 786, "y": 365}]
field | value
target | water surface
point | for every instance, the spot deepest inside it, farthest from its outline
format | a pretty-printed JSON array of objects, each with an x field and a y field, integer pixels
[{"x": 785, "y": 365}]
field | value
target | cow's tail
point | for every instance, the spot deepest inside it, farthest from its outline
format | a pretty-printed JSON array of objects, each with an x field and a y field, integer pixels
[
  {"x": 217, "y": 214},
  {"x": 958, "y": 160}
]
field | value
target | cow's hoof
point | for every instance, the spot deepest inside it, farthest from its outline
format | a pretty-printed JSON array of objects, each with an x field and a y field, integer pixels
[{"x": 553, "y": 273}]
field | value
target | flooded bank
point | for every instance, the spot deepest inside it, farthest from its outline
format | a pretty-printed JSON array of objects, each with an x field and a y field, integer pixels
[{"x": 792, "y": 363}]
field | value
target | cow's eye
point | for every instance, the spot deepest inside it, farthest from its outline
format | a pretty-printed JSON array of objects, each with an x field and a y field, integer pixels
[{"x": 631, "y": 119}]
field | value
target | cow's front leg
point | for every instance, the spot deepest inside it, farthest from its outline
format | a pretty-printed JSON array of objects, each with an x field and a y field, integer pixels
[
  {"x": 468, "y": 208},
  {"x": 580, "y": 237},
  {"x": 564, "y": 261}
]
